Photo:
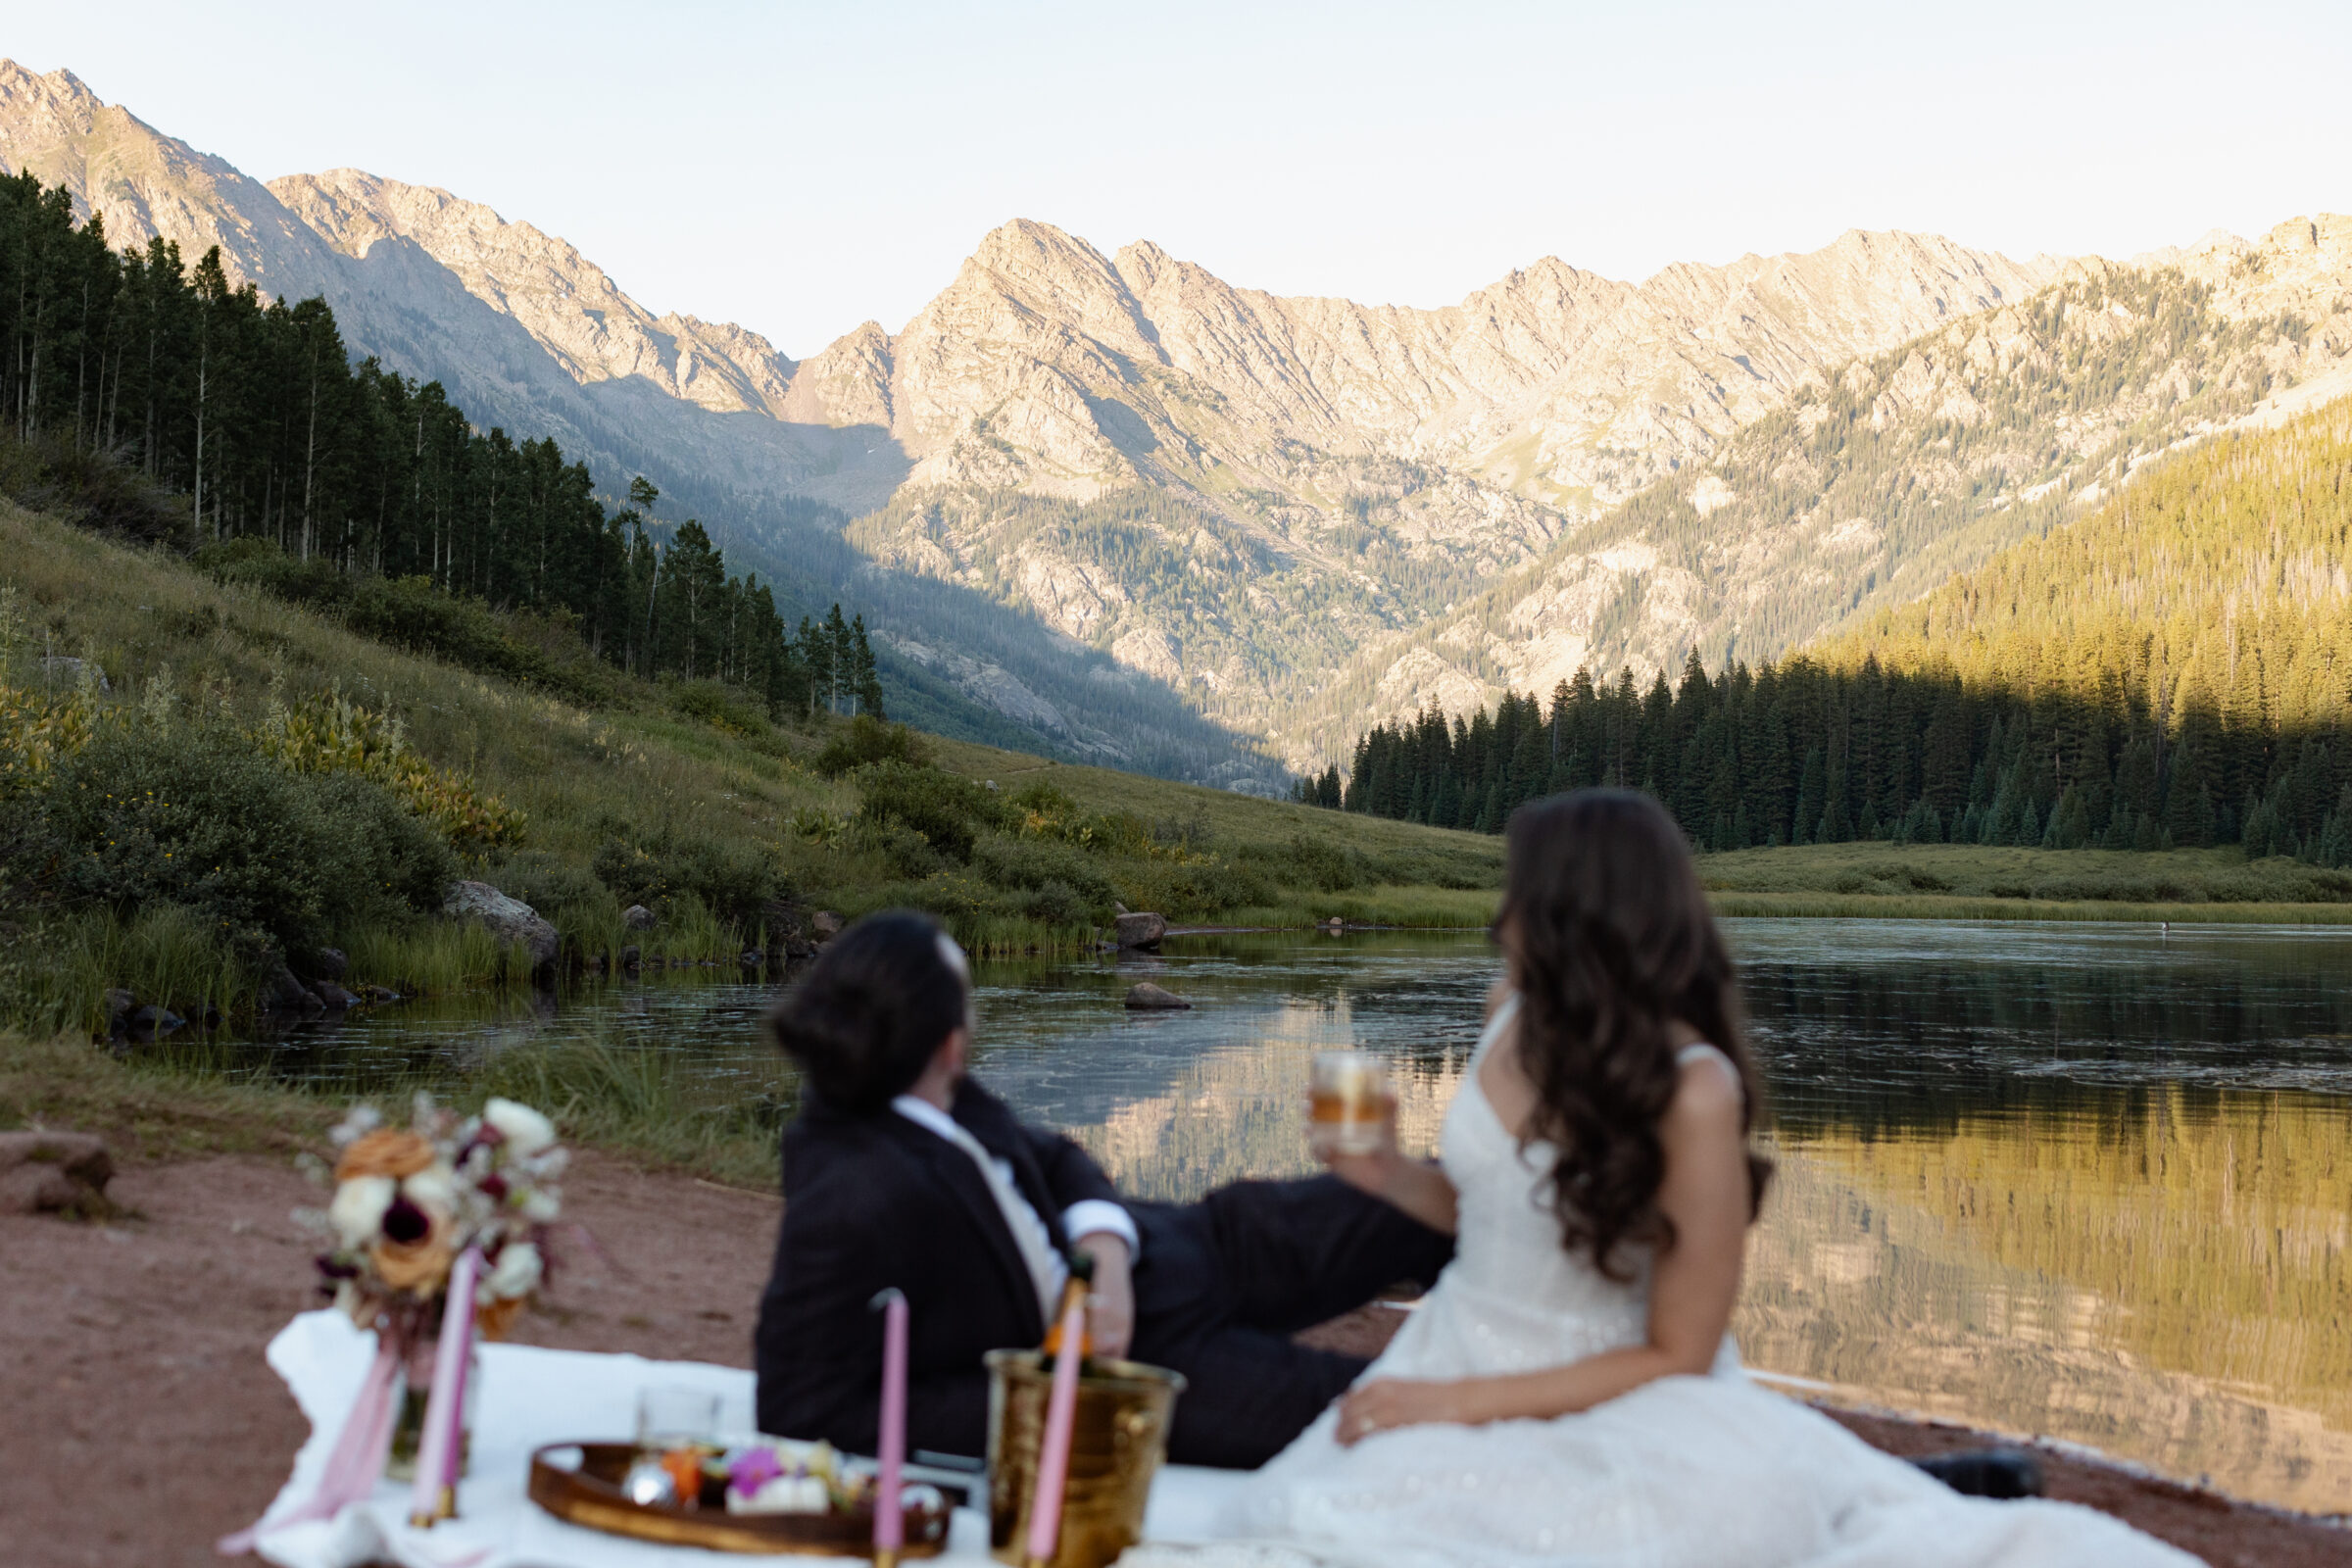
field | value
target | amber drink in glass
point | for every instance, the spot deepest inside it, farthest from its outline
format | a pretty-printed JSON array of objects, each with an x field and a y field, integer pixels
[{"x": 1349, "y": 1104}]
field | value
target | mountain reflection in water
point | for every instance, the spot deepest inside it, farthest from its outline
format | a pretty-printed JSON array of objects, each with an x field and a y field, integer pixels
[{"x": 2084, "y": 1181}]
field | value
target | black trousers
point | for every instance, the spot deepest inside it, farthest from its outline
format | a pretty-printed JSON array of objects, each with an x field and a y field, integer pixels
[{"x": 1223, "y": 1284}]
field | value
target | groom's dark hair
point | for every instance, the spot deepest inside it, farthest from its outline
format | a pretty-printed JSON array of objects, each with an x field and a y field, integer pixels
[{"x": 872, "y": 1011}]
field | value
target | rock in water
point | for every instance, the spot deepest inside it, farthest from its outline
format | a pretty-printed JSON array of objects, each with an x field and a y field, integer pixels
[
  {"x": 280, "y": 992},
  {"x": 637, "y": 917},
  {"x": 511, "y": 920},
  {"x": 54, "y": 1173},
  {"x": 1140, "y": 930},
  {"x": 1149, "y": 997},
  {"x": 329, "y": 963},
  {"x": 152, "y": 1022},
  {"x": 120, "y": 1004},
  {"x": 826, "y": 924},
  {"x": 337, "y": 998}
]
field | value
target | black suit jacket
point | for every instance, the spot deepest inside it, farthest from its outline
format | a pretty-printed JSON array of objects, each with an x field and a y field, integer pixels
[{"x": 875, "y": 1201}]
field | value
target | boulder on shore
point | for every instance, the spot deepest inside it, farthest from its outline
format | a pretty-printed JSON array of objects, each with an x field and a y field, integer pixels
[
  {"x": 54, "y": 1173},
  {"x": 510, "y": 920},
  {"x": 637, "y": 917},
  {"x": 337, "y": 998},
  {"x": 1140, "y": 930},
  {"x": 826, "y": 924},
  {"x": 329, "y": 963},
  {"x": 1149, "y": 998}
]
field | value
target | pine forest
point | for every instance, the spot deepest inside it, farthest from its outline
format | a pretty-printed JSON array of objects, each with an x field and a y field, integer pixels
[
  {"x": 2173, "y": 670},
  {"x": 156, "y": 401}
]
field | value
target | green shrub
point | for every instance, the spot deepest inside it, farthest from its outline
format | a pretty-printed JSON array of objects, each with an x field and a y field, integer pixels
[
  {"x": 948, "y": 810},
  {"x": 1193, "y": 890},
  {"x": 902, "y": 850},
  {"x": 1319, "y": 864},
  {"x": 1044, "y": 799},
  {"x": 1031, "y": 865},
  {"x": 732, "y": 881},
  {"x": 867, "y": 740},
  {"x": 735, "y": 881},
  {"x": 717, "y": 704},
  {"x": 191, "y": 814},
  {"x": 1058, "y": 904}
]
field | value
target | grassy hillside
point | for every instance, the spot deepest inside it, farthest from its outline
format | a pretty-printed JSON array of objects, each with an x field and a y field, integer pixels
[{"x": 678, "y": 794}]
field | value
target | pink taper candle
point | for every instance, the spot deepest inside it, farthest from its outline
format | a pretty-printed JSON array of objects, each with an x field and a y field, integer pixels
[
  {"x": 439, "y": 1445},
  {"x": 890, "y": 1524},
  {"x": 1053, "y": 1449}
]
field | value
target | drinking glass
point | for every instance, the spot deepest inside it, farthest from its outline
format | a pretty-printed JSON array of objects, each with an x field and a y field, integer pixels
[
  {"x": 677, "y": 1429},
  {"x": 671, "y": 1416},
  {"x": 1349, "y": 1104}
]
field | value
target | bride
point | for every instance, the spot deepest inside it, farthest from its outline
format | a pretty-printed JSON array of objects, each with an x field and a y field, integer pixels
[{"x": 1568, "y": 1392}]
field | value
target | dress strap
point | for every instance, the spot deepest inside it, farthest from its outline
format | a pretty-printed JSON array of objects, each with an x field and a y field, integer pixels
[
  {"x": 1698, "y": 1050},
  {"x": 1495, "y": 1027}
]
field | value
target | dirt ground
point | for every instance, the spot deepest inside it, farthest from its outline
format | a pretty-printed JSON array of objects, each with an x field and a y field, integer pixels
[{"x": 130, "y": 1358}]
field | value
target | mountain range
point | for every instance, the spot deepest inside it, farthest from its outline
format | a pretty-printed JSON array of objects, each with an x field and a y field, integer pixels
[{"x": 1136, "y": 514}]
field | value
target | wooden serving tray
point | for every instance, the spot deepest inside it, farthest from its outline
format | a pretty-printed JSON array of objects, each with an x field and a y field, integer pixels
[{"x": 591, "y": 1496}]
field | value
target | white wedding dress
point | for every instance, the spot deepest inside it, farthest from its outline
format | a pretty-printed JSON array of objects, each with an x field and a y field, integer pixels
[{"x": 1709, "y": 1472}]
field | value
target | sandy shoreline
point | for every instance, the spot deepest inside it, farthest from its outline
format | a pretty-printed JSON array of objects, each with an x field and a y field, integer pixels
[{"x": 133, "y": 1358}]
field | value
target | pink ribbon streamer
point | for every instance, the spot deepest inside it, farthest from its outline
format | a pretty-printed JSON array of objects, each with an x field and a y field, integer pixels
[
  {"x": 356, "y": 1463},
  {"x": 1053, "y": 1446},
  {"x": 439, "y": 1448}
]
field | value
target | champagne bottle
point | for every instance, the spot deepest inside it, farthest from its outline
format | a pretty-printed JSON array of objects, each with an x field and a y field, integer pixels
[{"x": 1075, "y": 1288}]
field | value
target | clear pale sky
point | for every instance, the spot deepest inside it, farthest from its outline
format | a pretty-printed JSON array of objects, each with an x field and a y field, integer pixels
[{"x": 801, "y": 168}]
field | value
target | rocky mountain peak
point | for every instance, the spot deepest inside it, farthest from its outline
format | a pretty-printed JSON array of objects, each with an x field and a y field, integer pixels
[{"x": 568, "y": 304}]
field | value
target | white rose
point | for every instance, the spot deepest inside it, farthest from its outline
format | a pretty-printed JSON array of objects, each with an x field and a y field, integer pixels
[
  {"x": 515, "y": 1274},
  {"x": 433, "y": 1188},
  {"x": 526, "y": 1131},
  {"x": 357, "y": 1208},
  {"x": 540, "y": 1207}
]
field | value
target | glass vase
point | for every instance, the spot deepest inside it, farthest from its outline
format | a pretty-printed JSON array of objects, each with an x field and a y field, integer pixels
[{"x": 416, "y": 1392}]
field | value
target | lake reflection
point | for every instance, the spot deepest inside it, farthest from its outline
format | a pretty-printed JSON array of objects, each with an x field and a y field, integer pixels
[
  {"x": 2084, "y": 1182},
  {"x": 2089, "y": 1182}
]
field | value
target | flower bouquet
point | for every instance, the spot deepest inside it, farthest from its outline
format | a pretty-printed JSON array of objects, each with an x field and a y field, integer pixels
[{"x": 409, "y": 1202}]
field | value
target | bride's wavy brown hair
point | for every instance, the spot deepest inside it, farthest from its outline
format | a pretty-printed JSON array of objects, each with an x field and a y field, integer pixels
[{"x": 1611, "y": 940}]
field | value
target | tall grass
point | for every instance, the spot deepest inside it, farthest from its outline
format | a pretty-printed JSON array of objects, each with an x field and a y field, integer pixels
[
  {"x": 1013, "y": 936},
  {"x": 642, "y": 1101},
  {"x": 166, "y": 954},
  {"x": 426, "y": 957}
]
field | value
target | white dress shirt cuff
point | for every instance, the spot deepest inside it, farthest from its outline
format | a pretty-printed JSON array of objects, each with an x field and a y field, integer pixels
[{"x": 1095, "y": 1216}]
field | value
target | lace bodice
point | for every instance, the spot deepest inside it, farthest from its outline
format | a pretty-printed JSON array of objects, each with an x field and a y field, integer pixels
[{"x": 1514, "y": 1298}]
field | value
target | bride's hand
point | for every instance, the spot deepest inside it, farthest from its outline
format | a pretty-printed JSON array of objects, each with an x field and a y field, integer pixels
[{"x": 1389, "y": 1402}]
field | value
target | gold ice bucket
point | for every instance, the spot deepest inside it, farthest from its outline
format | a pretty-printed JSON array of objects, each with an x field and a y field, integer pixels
[{"x": 1116, "y": 1447}]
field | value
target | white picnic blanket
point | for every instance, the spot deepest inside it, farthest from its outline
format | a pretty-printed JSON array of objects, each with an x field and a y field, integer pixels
[{"x": 531, "y": 1397}]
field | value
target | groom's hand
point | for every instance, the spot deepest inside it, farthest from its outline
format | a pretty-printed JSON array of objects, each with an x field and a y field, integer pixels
[{"x": 1111, "y": 1308}]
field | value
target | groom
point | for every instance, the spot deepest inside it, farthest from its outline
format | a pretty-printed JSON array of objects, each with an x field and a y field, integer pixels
[{"x": 902, "y": 1171}]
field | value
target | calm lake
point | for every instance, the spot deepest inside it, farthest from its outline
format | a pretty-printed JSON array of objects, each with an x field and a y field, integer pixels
[{"x": 2090, "y": 1182}]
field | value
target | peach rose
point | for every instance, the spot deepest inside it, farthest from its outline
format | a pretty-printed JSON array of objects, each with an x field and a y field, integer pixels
[
  {"x": 385, "y": 1153},
  {"x": 414, "y": 1252},
  {"x": 494, "y": 1320}
]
